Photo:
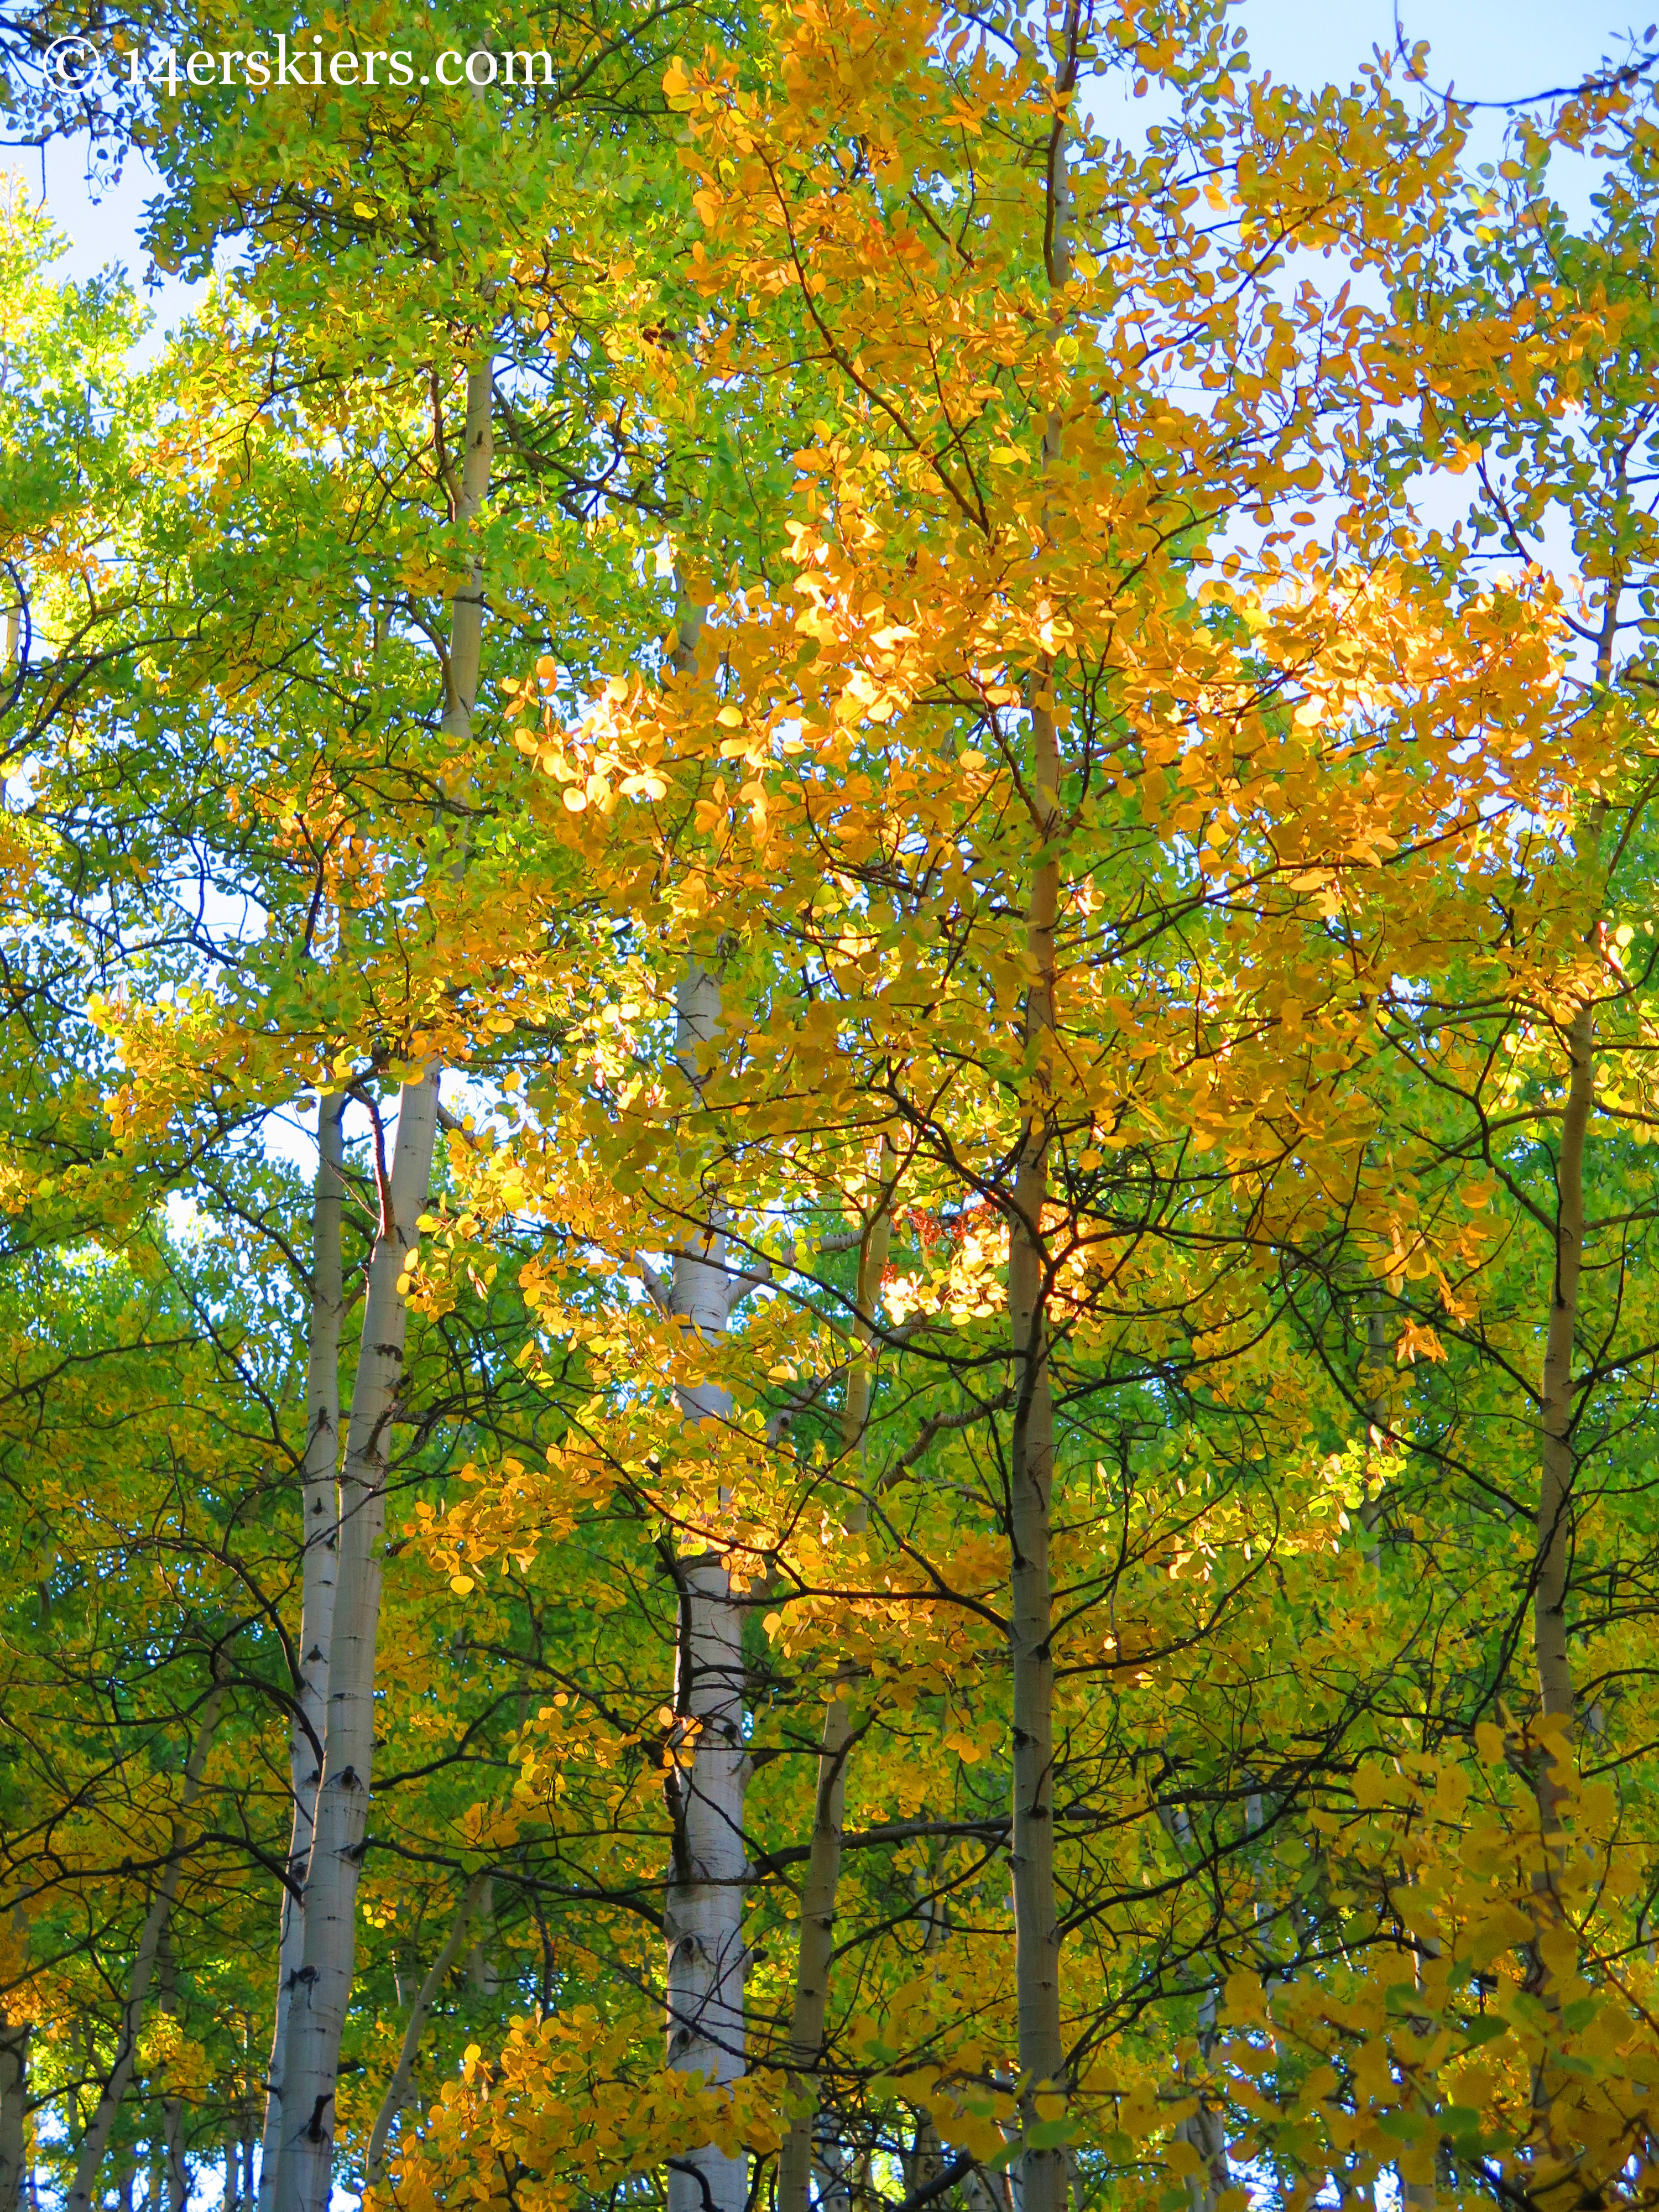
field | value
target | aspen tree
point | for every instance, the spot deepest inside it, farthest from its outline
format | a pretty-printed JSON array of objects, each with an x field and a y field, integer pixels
[
  {"x": 14, "y": 2112},
  {"x": 702, "y": 1912},
  {"x": 318, "y": 2008},
  {"x": 319, "y": 1542},
  {"x": 811, "y": 2004},
  {"x": 1042, "y": 2057}
]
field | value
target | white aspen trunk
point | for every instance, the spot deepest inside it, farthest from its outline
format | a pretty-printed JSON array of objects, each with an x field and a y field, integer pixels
[
  {"x": 1205, "y": 2130},
  {"x": 231, "y": 2198},
  {"x": 1042, "y": 2180},
  {"x": 817, "y": 1897},
  {"x": 83, "y": 2190},
  {"x": 322, "y": 1990},
  {"x": 702, "y": 1916},
  {"x": 13, "y": 2111},
  {"x": 398, "y": 2089},
  {"x": 320, "y": 1536}
]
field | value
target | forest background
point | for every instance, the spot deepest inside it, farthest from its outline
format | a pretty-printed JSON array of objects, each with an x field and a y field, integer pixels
[{"x": 826, "y": 1019}]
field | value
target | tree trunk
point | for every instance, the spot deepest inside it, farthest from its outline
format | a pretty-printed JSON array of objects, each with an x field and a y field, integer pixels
[
  {"x": 703, "y": 1917},
  {"x": 13, "y": 2111},
  {"x": 322, "y": 1988},
  {"x": 818, "y": 1896},
  {"x": 173, "y": 2107},
  {"x": 90, "y": 2159},
  {"x": 1042, "y": 2180},
  {"x": 322, "y": 1993},
  {"x": 1030, "y": 1476},
  {"x": 1032, "y": 1450},
  {"x": 319, "y": 1527},
  {"x": 1421, "y": 2195},
  {"x": 1553, "y": 1532},
  {"x": 1207, "y": 2130},
  {"x": 1558, "y": 1468},
  {"x": 397, "y": 2095},
  {"x": 818, "y": 1921},
  {"x": 173, "y": 2130}
]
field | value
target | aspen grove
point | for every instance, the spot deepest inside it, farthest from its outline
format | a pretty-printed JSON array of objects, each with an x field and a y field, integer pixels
[{"x": 828, "y": 1043}]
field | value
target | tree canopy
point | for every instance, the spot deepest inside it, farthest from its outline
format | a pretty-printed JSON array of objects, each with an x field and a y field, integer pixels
[{"x": 827, "y": 1056}]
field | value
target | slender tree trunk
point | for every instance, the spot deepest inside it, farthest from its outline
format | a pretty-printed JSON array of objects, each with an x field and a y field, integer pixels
[
  {"x": 398, "y": 2089},
  {"x": 1558, "y": 1469},
  {"x": 1557, "y": 1460},
  {"x": 322, "y": 1992},
  {"x": 1031, "y": 1459},
  {"x": 1553, "y": 1531},
  {"x": 1207, "y": 2130},
  {"x": 817, "y": 1897},
  {"x": 172, "y": 2106},
  {"x": 172, "y": 2129},
  {"x": 703, "y": 1918},
  {"x": 319, "y": 1527},
  {"x": 231, "y": 2200},
  {"x": 322, "y": 1988},
  {"x": 818, "y": 1921},
  {"x": 1421, "y": 2195},
  {"x": 1042, "y": 2180},
  {"x": 89, "y": 2161},
  {"x": 14, "y": 2110}
]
